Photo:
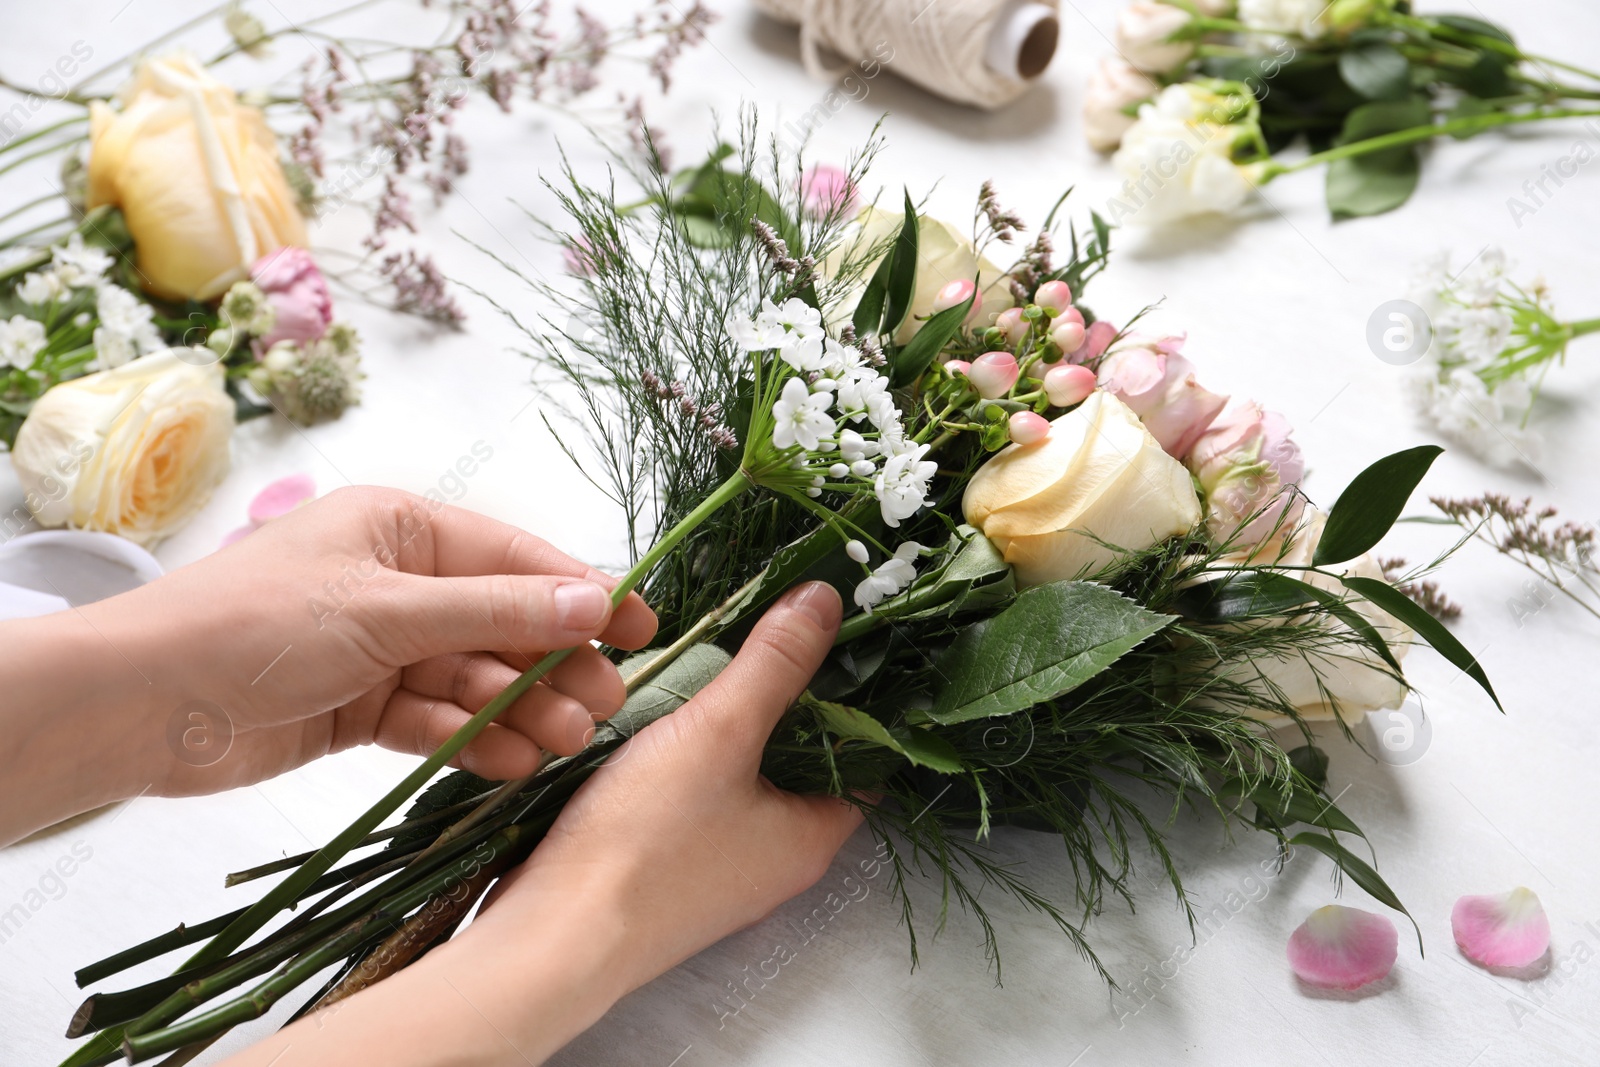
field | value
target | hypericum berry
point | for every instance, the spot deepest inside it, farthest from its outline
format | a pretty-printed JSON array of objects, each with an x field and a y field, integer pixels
[
  {"x": 1054, "y": 297},
  {"x": 1028, "y": 429},
  {"x": 1067, "y": 384},
  {"x": 956, "y": 293},
  {"x": 1012, "y": 324},
  {"x": 993, "y": 374}
]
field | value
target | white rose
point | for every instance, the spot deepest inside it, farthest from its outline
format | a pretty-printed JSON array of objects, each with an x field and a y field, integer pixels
[
  {"x": 1339, "y": 678},
  {"x": 943, "y": 256},
  {"x": 134, "y": 451},
  {"x": 1055, "y": 508},
  {"x": 1301, "y": 18},
  {"x": 1113, "y": 89},
  {"x": 1144, "y": 37},
  {"x": 1177, "y": 158}
]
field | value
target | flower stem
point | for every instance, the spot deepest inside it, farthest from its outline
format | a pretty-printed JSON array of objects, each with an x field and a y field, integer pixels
[
  {"x": 1469, "y": 125},
  {"x": 286, "y": 891},
  {"x": 1583, "y": 326}
]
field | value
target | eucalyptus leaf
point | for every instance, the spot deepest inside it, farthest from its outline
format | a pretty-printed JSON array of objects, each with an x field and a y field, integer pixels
[
  {"x": 918, "y": 354},
  {"x": 921, "y": 747},
  {"x": 1377, "y": 71},
  {"x": 1371, "y": 503},
  {"x": 1051, "y": 640},
  {"x": 1433, "y": 631},
  {"x": 1360, "y": 872},
  {"x": 902, "y": 282}
]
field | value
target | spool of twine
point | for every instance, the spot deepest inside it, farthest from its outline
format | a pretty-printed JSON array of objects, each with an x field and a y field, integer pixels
[{"x": 979, "y": 52}]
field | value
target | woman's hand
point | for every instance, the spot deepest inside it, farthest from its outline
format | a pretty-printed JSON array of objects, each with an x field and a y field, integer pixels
[
  {"x": 369, "y": 616},
  {"x": 676, "y": 842}
]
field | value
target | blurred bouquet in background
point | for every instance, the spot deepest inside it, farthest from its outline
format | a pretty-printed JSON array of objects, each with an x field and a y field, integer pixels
[
  {"x": 177, "y": 260},
  {"x": 1205, "y": 95}
]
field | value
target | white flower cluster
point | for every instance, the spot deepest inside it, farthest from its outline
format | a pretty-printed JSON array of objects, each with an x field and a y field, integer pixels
[
  {"x": 837, "y": 412},
  {"x": 126, "y": 324},
  {"x": 1462, "y": 386}
]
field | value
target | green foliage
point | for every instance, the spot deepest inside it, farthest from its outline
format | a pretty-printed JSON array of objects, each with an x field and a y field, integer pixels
[
  {"x": 1371, "y": 503},
  {"x": 1379, "y": 181}
]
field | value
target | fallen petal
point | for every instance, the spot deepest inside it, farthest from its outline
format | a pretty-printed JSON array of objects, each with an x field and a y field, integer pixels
[
  {"x": 1343, "y": 948},
  {"x": 1502, "y": 929},
  {"x": 282, "y": 497}
]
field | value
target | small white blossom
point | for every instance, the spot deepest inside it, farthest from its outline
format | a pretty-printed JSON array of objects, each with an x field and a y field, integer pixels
[
  {"x": 902, "y": 485},
  {"x": 804, "y": 354},
  {"x": 40, "y": 287},
  {"x": 126, "y": 327},
  {"x": 859, "y": 397},
  {"x": 890, "y": 578},
  {"x": 838, "y": 471},
  {"x": 20, "y": 340},
  {"x": 800, "y": 417},
  {"x": 79, "y": 265},
  {"x": 853, "y": 447},
  {"x": 111, "y": 349},
  {"x": 797, "y": 316},
  {"x": 863, "y": 468},
  {"x": 1488, "y": 423},
  {"x": 856, "y": 551}
]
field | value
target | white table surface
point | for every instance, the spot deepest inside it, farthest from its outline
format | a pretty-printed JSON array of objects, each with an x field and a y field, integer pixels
[{"x": 1275, "y": 306}]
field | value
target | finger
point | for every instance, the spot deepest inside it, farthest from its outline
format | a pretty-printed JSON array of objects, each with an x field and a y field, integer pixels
[
  {"x": 467, "y": 679},
  {"x": 591, "y": 679},
  {"x": 773, "y": 667},
  {"x": 419, "y": 617},
  {"x": 418, "y": 725},
  {"x": 552, "y": 720},
  {"x": 466, "y": 544}
]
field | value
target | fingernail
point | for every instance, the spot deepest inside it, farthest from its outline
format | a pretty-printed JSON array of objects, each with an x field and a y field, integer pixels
[
  {"x": 818, "y": 602},
  {"x": 581, "y": 605}
]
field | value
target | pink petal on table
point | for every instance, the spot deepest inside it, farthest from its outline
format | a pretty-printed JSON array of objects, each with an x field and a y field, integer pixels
[
  {"x": 282, "y": 497},
  {"x": 238, "y": 535},
  {"x": 1502, "y": 929},
  {"x": 1343, "y": 948}
]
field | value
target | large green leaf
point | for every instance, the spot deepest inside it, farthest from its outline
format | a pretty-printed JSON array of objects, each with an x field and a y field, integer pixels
[
  {"x": 668, "y": 689},
  {"x": 1377, "y": 71},
  {"x": 1379, "y": 181},
  {"x": 917, "y": 745},
  {"x": 918, "y": 355},
  {"x": 1431, "y": 629},
  {"x": 902, "y": 282},
  {"x": 1371, "y": 503},
  {"x": 1360, "y": 872},
  {"x": 1050, "y": 641}
]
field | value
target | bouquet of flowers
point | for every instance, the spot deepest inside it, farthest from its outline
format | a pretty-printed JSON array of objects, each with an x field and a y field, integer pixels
[
  {"x": 1082, "y": 580},
  {"x": 174, "y": 291},
  {"x": 1206, "y": 93}
]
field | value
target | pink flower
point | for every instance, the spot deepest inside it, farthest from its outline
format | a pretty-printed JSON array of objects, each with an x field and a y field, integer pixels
[
  {"x": 1096, "y": 341},
  {"x": 1244, "y": 462},
  {"x": 1343, "y": 948},
  {"x": 993, "y": 374},
  {"x": 298, "y": 293},
  {"x": 276, "y": 500},
  {"x": 1503, "y": 930},
  {"x": 825, "y": 188},
  {"x": 1157, "y": 382}
]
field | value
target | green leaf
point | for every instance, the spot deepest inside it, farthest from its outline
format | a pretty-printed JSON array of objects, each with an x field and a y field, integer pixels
[
  {"x": 1469, "y": 107},
  {"x": 921, "y": 747},
  {"x": 1051, "y": 640},
  {"x": 1429, "y": 628},
  {"x": 1360, "y": 872},
  {"x": 1371, "y": 503},
  {"x": 1269, "y": 594},
  {"x": 868, "y": 316},
  {"x": 704, "y": 232},
  {"x": 1468, "y": 24},
  {"x": 1378, "y": 181},
  {"x": 902, "y": 271},
  {"x": 1312, "y": 762},
  {"x": 918, "y": 354},
  {"x": 1377, "y": 71},
  {"x": 668, "y": 690}
]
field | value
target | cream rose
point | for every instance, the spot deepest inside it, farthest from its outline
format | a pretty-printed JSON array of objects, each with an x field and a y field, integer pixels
[
  {"x": 134, "y": 451},
  {"x": 1055, "y": 508},
  {"x": 1114, "y": 88},
  {"x": 1343, "y": 678},
  {"x": 943, "y": 256},
  {"x": 197, "y": 178}
]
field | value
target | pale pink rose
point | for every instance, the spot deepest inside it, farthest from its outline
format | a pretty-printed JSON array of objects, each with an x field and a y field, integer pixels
[
  {"x": 1244, "y": 462},
  {"x": 1113, "y": 89},
  {"x": 1097, "y": 339},
  {"x": 298, "y": 293},
  {"x": 825, "y": 188},
  {"x": 1157, "y": 382},
  {"x": 1145, "y": 36}
]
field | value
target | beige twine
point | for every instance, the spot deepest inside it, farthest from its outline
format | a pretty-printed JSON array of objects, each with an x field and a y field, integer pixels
[{"x": 940, "y": 45}]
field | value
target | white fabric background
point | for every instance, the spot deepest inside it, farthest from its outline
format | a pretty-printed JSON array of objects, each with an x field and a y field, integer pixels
[{"x": 1275, "y": 305}]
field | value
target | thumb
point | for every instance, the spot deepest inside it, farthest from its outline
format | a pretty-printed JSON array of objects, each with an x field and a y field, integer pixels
[
  {"x": 528, "y": 614},
  {"x": 773, "y": 667}
]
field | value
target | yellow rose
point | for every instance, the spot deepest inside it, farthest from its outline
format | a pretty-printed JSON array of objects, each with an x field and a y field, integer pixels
[
  {"x": 943, "y": 256},
  {"x": 197, "y": 177},
  {"x": 134, "y": 451},
  {"x": 1341, "y": 677},
  {"x": 1097, "y": 480}
]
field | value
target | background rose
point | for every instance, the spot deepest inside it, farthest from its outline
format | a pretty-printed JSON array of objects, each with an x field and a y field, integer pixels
[
  {"x": 1144, "y": 36},
  {"x": 1113, "y": 89},
  {"x": 1098, "y": 477},
  {"x": 196, "y": 176},
  {"x": 1344, "y": 678},
  {"x": 1157, "y": 381},
  {"x": 1244, "y": 462},
  {"x": 1177, "y": 157},
  {"x": 134, "y": 451},
  {"x": 298, "y": 294},
  {"x": 943, "y": 256}
]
